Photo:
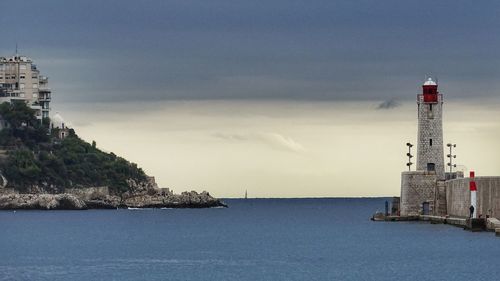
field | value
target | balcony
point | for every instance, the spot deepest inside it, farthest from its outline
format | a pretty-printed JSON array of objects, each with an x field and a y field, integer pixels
[
  {"x": 12, "y": 93},
  {"x": 44, "y": 89},
  {"x": 420, "y": 98}
]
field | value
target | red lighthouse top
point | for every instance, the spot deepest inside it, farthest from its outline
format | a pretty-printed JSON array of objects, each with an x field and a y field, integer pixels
[{"x": 429, "y": 90}]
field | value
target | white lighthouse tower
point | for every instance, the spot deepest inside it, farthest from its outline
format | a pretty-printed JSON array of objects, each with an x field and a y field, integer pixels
[{"x": 430, "y": 154}]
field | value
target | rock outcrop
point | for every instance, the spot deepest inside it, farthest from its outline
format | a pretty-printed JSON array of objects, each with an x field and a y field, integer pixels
[
  {"x": 184, "y": 200},
  {"x": 15, "y": 201},
  {"x": 140, "y": 195}
]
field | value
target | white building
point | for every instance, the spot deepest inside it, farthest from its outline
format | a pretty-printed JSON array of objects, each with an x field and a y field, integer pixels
[
  {"x": 62, "y": 129},
  {"x": 21, "y": 80}
]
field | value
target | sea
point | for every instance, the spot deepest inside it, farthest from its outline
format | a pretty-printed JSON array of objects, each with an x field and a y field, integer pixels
[{"x": 254, "y": 239}]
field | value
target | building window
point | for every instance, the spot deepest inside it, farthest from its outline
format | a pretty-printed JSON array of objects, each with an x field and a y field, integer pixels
[
  {"x": 430, "y": 142},
  {"x": 431, "y": 167}
]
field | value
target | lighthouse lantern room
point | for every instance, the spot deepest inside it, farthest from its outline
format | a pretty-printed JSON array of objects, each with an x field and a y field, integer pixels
[
  {"x": 430, "y": 91},
  {"x": 430, "y": 153}
]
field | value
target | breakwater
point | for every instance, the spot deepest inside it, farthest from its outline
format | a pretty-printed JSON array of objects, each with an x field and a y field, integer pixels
[{"x": 471, "y": 224}]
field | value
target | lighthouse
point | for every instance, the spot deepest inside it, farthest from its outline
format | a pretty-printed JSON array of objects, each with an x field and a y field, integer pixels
[
  {"x": 428, "y": 190},
  {"x": 421, "y": 188},
  {"x": 430, "y": 154}
]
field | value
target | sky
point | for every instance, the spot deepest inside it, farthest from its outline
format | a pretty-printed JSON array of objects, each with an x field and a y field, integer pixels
[{"x": 282, "y": 98}]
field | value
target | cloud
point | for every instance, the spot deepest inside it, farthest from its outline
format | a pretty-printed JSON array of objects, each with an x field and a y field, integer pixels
[
  {"x": 184, "y": 50},
  {"x": 389, "y": 104},
  {"x": 273, "y": 140},
  {"x": 284, "y": 142},
  {"x": 231, "y": 137}
]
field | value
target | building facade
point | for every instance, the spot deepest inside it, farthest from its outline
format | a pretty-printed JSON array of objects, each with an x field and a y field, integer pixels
[{"x": 21, "y": 80}]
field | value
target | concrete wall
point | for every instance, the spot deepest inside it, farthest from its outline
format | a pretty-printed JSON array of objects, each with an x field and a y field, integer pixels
[
  {"x": 417, "y": 187},
  {"x": 488, "y": 196},
  {"x": 440, "y": 201},
  {"x": 458, "y": 197}
]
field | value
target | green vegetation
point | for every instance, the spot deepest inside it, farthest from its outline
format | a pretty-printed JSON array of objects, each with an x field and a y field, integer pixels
[{"x": 37, "y": 158}]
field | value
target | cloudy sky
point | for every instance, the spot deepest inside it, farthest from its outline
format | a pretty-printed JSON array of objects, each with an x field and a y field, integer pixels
[{"x": 283, "y": 98}]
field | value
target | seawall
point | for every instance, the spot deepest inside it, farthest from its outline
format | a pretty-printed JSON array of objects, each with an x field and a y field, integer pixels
[{"x": 488, "y": 197}]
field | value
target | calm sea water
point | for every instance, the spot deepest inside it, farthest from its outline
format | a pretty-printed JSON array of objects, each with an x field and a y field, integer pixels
[{"x": 268, "y": 239}]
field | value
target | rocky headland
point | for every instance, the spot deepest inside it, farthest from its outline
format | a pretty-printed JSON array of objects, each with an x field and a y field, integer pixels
[
  {"x": 45, "y": 165},
  {"x": 140, "y": 195},
  {"x": 89, "y": 198}
]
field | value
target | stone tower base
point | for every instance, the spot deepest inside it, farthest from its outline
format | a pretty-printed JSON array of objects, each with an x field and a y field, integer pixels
[{"x": 418, "y": 192}]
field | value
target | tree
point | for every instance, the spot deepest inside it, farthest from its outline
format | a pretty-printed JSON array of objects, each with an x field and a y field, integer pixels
[{"x": 39, "y": 159}]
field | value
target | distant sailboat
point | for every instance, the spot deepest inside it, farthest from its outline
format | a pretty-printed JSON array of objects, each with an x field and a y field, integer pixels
[{"x": 246, "y": 194}]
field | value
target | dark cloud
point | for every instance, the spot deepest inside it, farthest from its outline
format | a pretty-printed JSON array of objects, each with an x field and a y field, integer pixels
[
  {"x": 195, "y": 49},
  {"x": 389, "y": 104}
]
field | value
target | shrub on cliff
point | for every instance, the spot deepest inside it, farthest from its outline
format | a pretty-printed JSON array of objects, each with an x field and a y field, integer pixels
[
  {"x": 25, "y": 129},
  {"x": 37, "y": 159},
  {"x": 22, "y": 167}
]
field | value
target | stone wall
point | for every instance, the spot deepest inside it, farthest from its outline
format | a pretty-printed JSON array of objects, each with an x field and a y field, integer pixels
[
  {"x": 440, "y": 201},
  {"x": 488, "y": 196},
  {"x": 430, "y": 136},
  {"x": 417, "y": 187}
]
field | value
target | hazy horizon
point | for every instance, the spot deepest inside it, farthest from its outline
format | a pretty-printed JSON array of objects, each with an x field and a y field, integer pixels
[
  {"x": 280, "y": 98},
  {"x": 283, "y": 149}
]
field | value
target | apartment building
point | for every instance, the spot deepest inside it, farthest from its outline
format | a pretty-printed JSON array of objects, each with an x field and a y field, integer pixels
[{"x": 21, "y": 80}]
